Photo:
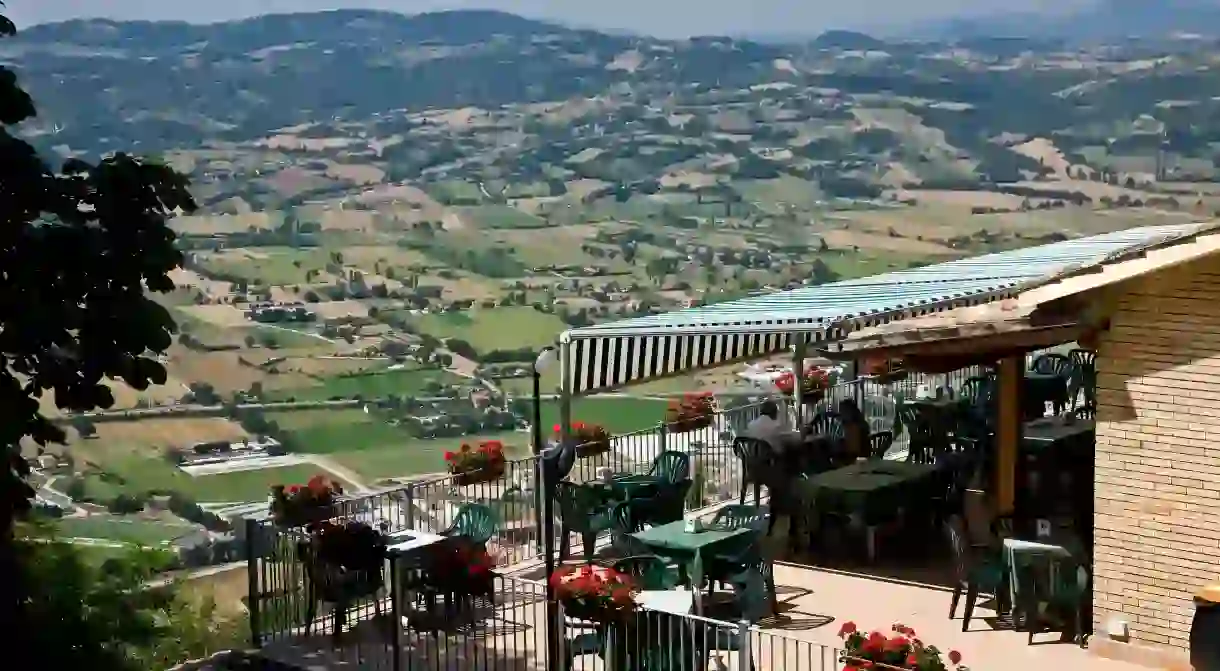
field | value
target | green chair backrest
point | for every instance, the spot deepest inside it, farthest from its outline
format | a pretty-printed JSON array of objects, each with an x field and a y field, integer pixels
[
  {"x": 736, "y": 516},
  {"x": 671, "y": 466},
  {"x": 577, "y": 504},
  {"x": 477, "y": 522}
]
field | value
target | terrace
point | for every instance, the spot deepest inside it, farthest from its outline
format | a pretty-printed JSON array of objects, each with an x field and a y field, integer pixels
[{"x": 817, "y": 590}]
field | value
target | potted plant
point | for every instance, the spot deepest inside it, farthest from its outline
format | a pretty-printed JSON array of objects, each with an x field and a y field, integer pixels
[
  {"x": 902, "y": 650},
  {"x": 450, "y": 573},
  {"x": 350, "y": 545},
  {"x": 884, "y": 370},
  {"x": 813, "y": 385},
  {"x": 471, "y": 465},
  {"x": 590, "y": 439},
  {"x": 303, "y": 505},
  {"x": 461, "y": 568},
  {"x": 594, "y": 593},
  {"x": 691, "y": 412}
]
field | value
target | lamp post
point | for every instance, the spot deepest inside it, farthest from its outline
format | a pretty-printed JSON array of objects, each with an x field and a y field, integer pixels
[{"x": 545, "y": 487}]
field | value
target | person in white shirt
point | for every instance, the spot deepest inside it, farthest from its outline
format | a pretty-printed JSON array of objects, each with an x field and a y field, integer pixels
[{"x": 769, "y": 427}]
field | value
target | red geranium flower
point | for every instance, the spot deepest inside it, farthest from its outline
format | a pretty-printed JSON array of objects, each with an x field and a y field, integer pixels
[
  {"x": 955, "y": 657},
  {"x": 847, "y": 629}
]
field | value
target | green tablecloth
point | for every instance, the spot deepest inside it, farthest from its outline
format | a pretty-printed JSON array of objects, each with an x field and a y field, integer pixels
[
  {"x": 627, "y": 486},
  {"x": 674, "y": 543},
  {"x": 872, "y": 489}
]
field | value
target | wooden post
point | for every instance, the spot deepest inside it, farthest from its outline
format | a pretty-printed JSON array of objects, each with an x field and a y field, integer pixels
[
  {"x": 798, "y": 378},
  {"x": 1008, "y": 431}
]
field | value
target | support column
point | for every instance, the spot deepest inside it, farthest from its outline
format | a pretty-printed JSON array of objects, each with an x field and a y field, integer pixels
[
  {"x": 1008, "y": 432},
  {"x": 798, "y": 377},
  {"x": 565, "y": 391}
]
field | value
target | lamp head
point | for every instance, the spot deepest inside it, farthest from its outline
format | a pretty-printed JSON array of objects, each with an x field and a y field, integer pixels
[{"x": 546, "y": 359}]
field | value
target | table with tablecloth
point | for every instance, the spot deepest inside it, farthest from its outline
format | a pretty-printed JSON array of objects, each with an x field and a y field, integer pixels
[
  {"x": 690, "y": 549},
  {"x": 868, "y": 492}
]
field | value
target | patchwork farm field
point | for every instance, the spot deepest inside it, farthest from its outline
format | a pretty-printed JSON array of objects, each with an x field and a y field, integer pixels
[
  {"x": 494, "y": 328},
  {"x": 375, "y": 384},
  {"x": 374, "y": 448}
]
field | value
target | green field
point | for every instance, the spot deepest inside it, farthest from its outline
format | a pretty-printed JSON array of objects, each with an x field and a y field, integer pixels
[
  {"x": 337, "y": 431},
  {"x": 123, "y": 529},
  {"x": 373, "y": 448},
  {"x": 376, "y": 385},
  {"x": 454, "y": 191},
  {"x": 788, "y": 190},
  {"x": 421, "y": 455},
  {"x": 494, "y": 328},
  {"x": 851, "y": 265},
  {"x": 142, "y": 474},
  {"x": 499, "y": 216},
  {"x": 273, "y": 266},
  {"x": 617, "y": 414},
  {"x": 251, "y": 485}
]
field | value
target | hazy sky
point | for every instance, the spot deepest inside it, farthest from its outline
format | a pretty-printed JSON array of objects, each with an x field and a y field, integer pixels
[{"x": 669, "y": 18}]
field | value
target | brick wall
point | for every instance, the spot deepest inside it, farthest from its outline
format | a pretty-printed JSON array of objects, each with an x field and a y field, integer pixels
[{"x": 1157, "y": 482}]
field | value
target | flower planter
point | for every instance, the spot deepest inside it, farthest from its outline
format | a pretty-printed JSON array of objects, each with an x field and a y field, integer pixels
[
  {"x": 479, "y": 475},
  {"x": 695, "y": 423},
  {"x": 303, "y": 517},
  {"x": 305, "y": 505},
  {"x": 593, "y": 449},
  {"x": 590, "y": 439},
  {"x": 690, "y": 413},
  {"x": 472, "y": 465}
]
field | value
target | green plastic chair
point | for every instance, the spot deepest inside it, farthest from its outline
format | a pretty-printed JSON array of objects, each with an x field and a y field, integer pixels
[
  {"x": 671, "y": 466},
  {"x": 976, "y": 571},
  {"x": 582, "y": 511},
  {"x": 736, "y": 516},
  {"x": 474, "y": 521}
]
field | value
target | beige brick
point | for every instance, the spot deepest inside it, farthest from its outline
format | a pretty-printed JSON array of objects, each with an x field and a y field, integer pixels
[{"x": 1157, "y": 475}]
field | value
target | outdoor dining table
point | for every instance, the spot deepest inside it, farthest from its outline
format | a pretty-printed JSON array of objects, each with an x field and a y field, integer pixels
[
  {"x": 689, "y": 549},
  {"x": 1049, "y": 431},
  {"x": 627, "y": 486},
  {"x": 1061, "y": 547},
  {"x": 404, "y": 552},
  {"x": 868, "y": 491}
]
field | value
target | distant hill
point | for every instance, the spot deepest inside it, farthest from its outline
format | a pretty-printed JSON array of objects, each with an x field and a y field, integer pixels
[
  {"x": 1107, "y": 20},
  {"x": 103, "y": 84}
]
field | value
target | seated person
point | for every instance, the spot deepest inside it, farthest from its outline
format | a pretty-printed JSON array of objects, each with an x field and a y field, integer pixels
[
  {"x": 855, "y": 430},
  {"x": 769, "y": 427}
]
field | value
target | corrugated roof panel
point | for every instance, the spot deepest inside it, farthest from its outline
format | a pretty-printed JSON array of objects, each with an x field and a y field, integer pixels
[{"x": 925, "y": 286}]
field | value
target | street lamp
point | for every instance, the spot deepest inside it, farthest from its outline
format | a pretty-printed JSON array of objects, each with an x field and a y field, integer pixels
[{"x": 545, "y": 477}]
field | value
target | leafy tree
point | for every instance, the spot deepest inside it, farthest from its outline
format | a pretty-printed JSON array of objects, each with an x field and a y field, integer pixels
[
  {"x": 105, "y": 618},
  {"x": 80, "y": 248}
]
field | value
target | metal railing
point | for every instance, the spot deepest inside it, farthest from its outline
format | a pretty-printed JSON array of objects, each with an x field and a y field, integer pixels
[
  {"x": 507, "y": 629},
  {"x": 433, "y": 505}
]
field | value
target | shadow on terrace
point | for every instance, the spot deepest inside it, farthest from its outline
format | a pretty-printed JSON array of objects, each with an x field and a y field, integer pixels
[{"x": 769, "y": 593}]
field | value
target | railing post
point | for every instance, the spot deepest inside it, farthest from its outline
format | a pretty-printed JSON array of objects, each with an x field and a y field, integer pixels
[
  {"x": 410, "y": 505},
  {"x": 745, "y": 657},
  {"x": 539, "y": 493},
  {"x": 253, "y": 588},
  {"x": 662, "y": 432}
]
